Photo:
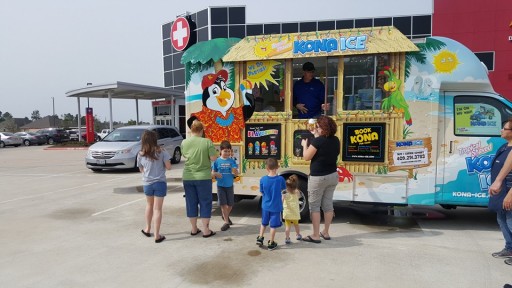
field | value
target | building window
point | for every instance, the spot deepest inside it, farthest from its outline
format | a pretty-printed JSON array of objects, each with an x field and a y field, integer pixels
[
  {"x": 290, "y": 27},
  {"x": 362, "y": 23},
  {"x": 272, "y": 28},
  {"x": 219, "y": 16},
  {"x": 202, "y": 34},
  {"x": 307, "y": 26},
  {"x": 168, "y": 79},
  {"x": 421, "y": 25},
  {"x": 167, "y": 46},
  {"x": 176, "y": 59},
  {"x": 167, "y": 63},
  {"x": 202, "y": 18},
  {"x": 179, "y": 77},
  {"x": 487, "y": 58},
  {"x": 382, "y": 22},
  {"x": 345, "y": 24},
  {"x": 219, "y": 32},
  {"x": 237, "y": 31},
  {"x": 403, "y": 24},
  {"x": 326, "y": 25},
  {"x": 166, "y": 31},
  {"x": 256, "y": 29},
  {"x": 236, "y": 15}
]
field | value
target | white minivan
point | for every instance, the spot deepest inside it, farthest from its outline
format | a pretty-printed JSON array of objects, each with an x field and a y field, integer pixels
[{"x": 118, "y": 150}]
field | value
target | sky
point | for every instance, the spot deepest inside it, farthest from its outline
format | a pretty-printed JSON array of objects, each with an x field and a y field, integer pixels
[{"x": 49, "y": 47}]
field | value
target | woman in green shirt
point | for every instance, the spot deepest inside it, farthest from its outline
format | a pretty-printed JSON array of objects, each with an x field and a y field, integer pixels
[{"x": 197, "y": 180}]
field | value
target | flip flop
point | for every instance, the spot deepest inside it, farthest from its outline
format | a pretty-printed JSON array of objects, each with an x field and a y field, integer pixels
[
  {"x": 325, "y": 237},
  {"x": 309, "y": 239},
  {"x": 162, "y": 238},
  {"x": 209, "y": 235},
  {"x": 145, "y": 233},
  {"x": 197, "y": 232}
]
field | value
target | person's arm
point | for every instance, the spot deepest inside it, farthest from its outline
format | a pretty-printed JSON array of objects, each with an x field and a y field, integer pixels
[
  {"x": 215, "y": 170},
  {"x": 507, "y": 167},
  {"x": 308, "y": 151},
  {"x": 507, "y": 202}
]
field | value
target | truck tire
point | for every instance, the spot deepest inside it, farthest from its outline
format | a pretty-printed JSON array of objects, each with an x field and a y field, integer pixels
[{"x": 303, "y": 198}]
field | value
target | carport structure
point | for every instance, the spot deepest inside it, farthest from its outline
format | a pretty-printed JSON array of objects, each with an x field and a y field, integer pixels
[{"x": 123, "y": 90}]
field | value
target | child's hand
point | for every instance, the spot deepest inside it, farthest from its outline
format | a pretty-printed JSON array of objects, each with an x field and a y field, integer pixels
[{"x": 216, "y": 174}]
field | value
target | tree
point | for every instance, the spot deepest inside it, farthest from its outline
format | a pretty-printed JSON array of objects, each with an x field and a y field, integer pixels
[
  {"x": 10, "y": 125},
  {"x": 35, "y": 115},
  {"x": 7, "y": 116},
  {"x": 67, "y": 120},
  {"x": 131, "y": 122}
]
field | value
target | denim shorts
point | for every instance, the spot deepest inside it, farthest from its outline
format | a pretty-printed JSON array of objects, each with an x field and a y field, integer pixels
[
  {"x": 226, "y": 195},
  {"x": 198, "y": 198},
  {"x": 272, "y": 218},
  {"x": 158, "y": 189}
]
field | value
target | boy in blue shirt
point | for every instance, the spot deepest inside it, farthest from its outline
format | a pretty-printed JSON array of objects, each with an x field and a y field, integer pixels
[
  {"x": 271, "y": 202},
  {"x": 224, "y": 169}
]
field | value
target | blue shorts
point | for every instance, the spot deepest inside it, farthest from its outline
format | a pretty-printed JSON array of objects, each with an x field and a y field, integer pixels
[
  {"x": 158, "y": 189},
  {"x": 272, "y": 218},
  {"x": 198, "y": 198}
]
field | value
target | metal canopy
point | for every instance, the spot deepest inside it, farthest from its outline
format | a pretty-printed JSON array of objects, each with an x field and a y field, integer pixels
[{"x": 123, "y": 90}]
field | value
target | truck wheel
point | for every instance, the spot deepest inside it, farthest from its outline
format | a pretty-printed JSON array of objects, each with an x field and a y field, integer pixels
[{"x": 303, "y": 201}]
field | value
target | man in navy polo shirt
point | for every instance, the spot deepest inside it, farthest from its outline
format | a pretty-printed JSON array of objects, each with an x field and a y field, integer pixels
[{"x": 309, "y": 93}]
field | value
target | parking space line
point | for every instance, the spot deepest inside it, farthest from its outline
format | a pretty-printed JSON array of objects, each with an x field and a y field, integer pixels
[
  {"x": 110, "y": 209},
  {"x": 128, "y": 203},
  {"x": 57, "y": 191}
]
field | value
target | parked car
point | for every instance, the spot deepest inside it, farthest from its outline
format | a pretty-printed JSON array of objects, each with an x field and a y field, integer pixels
[
  {"x": 31, "y": 138},
  {"x": 54, "y": 135},
  {"x": 118, "y": 150},
  {"x": 73, "y": 135},
  {"x": 9, "y": 139},
  {"x": 103, "y": 133}
]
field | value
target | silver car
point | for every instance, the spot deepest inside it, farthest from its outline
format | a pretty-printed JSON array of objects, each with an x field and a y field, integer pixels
[
  {"x": 9, "y": 139},
  {"x": 118, "y": 150}
]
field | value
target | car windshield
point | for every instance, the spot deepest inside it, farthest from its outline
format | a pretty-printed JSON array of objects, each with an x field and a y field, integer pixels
[
  {"x": 124, "y": 135},
  {"x": 32, "y": 133}
]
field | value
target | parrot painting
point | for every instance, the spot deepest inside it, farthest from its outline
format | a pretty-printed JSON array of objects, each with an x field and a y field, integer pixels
[{"x": 395, "y": 101}]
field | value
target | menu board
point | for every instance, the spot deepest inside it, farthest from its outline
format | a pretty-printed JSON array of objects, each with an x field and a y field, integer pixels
[
  {"x": 363, "y": 142},
  {"x": 262, "y": 141}
]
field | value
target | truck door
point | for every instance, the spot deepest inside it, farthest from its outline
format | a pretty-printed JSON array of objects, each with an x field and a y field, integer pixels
[{"x": 469, "y": 138}]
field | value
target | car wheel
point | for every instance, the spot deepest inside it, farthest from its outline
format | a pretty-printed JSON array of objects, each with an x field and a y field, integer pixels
[
  {"x": 26, "y": 142},
  {"x": 96, "y": 169},
  {"x": 176, "y": 156},
  {"x": 2, "y": 144},
  {"x": 50, "y": 141}
]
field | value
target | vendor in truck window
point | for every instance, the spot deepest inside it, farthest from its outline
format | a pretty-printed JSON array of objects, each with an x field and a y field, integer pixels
[{"x": 309, "y": 94}]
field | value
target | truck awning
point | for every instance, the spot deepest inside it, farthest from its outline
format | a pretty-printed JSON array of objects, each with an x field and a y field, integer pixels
[{"x": 357, "y": 41}]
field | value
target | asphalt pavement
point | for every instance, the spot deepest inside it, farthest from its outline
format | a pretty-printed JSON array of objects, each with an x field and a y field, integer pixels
[{"x": 62, "y": 225}]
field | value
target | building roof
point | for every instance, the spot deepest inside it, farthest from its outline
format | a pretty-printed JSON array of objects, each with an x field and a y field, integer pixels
[
  {"x": 124, "y": 90},
  {"x": 45, "y": 122}
]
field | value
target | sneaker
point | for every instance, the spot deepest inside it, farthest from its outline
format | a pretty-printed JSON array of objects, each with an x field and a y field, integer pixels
[
  {"x": 224, "y": 227},
  {"x": 508, "y": 261},
  {"x": 299, "y": 237},
  {"x": 288, "y": 241},
  {"x": 259, "y": 240},
  {"x": 272, "y": 245},
  {"x": 503, "y": 253}
]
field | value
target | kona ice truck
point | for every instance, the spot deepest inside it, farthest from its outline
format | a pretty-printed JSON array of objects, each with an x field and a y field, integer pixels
[{"x": 419, "y": 124}]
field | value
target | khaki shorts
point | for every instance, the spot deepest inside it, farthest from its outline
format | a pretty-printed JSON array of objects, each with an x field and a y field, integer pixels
[{"x": 321, "y": 192}]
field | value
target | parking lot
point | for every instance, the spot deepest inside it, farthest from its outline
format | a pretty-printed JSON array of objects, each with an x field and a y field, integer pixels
[{"x": 63, "y": 225}]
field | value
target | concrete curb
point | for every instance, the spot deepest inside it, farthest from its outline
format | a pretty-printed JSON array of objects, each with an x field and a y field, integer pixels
[{"x": 66, "y": 148}]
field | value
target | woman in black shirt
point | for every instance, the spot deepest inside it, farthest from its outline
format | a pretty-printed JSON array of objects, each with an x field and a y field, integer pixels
[{"x": 323, "y": 153}]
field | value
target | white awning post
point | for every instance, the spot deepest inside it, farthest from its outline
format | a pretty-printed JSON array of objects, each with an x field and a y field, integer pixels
[
  {"x": 110, "y": 106},
  {"x": 137, "y": 110},
  {"x": 79, "y": 123}
]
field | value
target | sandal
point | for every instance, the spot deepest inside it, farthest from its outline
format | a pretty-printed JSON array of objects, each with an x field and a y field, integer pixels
[
  {"x": 194, "y": 234},
  {"x": 309, "y": 239},
  {"x": 209, "y": 235}
]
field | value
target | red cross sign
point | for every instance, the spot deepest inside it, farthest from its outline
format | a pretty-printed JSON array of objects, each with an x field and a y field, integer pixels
[{"x": 180, "y": 33}]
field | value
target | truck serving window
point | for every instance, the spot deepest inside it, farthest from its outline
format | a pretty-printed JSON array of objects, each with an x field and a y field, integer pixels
[
  {"x": 362, "y": 84},
  {"x": 268, "y": 80},
  {"x": 479, "y": 116}
]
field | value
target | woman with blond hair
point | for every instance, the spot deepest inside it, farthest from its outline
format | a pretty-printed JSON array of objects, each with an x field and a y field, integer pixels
[{"x": 197, "y": 180}]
